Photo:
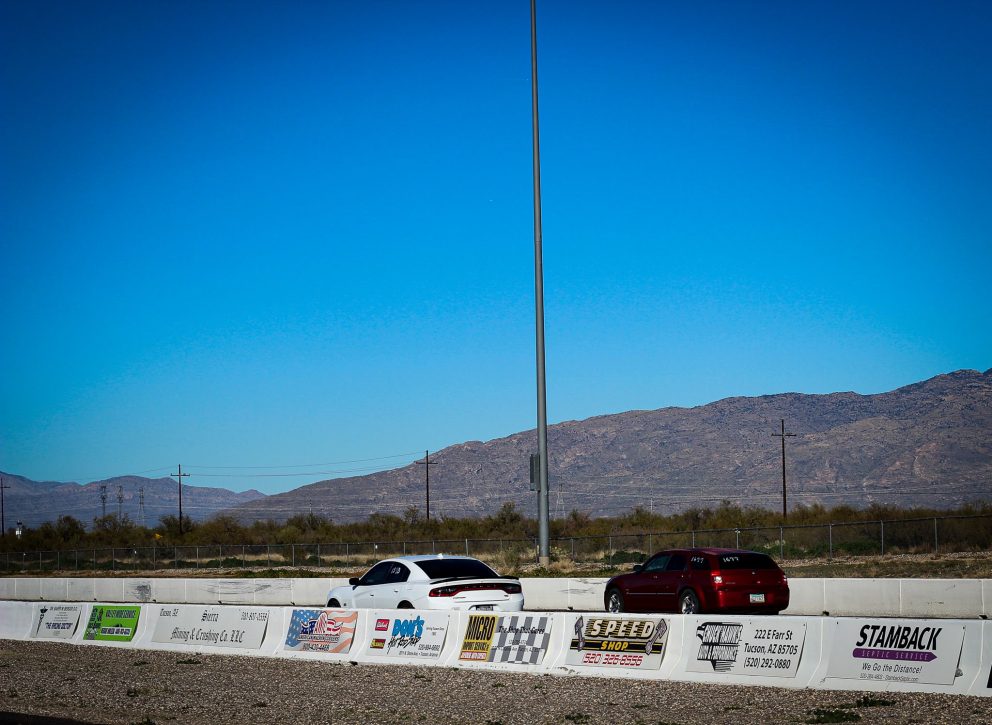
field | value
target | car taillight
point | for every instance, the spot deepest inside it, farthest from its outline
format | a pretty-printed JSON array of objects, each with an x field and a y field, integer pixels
[
  {"x": 454, "y": 589},
  {"x": 717, "y": 579}
]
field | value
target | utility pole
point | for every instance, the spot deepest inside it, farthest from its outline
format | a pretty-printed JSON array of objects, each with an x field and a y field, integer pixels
[
  {"x": 120, "y": 501},
  {"x": 3, "y": 522},
  {"x": 543, "y": 524},
  {"x": 141, "y": 506},
  {"x": 103, "y": 499},
  {"x": 427, "y": 463},
  {"x": 180, "y": 476},
  {"x": 783, "y": 435}
]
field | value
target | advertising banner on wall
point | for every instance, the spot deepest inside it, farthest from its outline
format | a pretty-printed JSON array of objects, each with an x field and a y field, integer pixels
[
  {"x": 116, "y": 623},
  {"x": 57, "y": 621},
  {"x": 615, "y": 642},
  {"x": 766, "y": 648},
  {"x": 512, "y": 639},
  {"x": 416, "y": 635},
  {"x": 214, "y": 626},
  {"x": 321, "y": 630},
  {"x": 896, "y": 650}
]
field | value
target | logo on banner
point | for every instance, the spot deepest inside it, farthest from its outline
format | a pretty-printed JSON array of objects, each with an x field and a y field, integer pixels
[
  {"x": 115, "y": 624},
  {"x": 378, "y": 643},
  {"x": 895, "y": 642},
  {"x": 718, "y": 644},
  {"x": 316, "y": 630},
  {"x": 478, "y": 637},
  {"x": 515, "y": 639},
  {"x": 407, "y": 632},
  {"x": 615, "y": 642},
  {"x": 382, "y": 625}
]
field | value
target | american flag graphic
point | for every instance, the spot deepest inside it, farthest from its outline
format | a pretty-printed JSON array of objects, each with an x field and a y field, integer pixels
[{"x": 321, "y": 630}]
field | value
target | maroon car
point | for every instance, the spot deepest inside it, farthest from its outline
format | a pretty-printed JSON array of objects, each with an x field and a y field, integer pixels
[{"x": 701, "y": 580}]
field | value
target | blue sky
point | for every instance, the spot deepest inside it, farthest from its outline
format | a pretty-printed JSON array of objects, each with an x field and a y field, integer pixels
[{"x": 279, "y": 234}]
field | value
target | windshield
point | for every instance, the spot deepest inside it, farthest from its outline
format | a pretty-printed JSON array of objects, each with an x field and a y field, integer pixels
[
  {"x": 746, "y": 561},
  {"x": 444, "y": 568}
]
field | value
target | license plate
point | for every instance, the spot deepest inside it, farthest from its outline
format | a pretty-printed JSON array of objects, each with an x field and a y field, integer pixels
[
  {"x": 489, "y": 607},
  {"x": 757, "y": 599}
]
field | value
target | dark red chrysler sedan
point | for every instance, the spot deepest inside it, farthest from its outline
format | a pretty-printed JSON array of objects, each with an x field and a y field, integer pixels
[{"x": 692, "y": 581}]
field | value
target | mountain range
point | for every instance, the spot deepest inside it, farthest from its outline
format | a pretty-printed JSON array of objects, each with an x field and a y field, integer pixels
[
  {"x": 34, "y": 502},
  {"x": 926, "y": 444}
]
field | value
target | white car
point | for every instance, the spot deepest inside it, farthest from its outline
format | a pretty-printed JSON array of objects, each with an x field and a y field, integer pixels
[{"x": 430, "y": 582}]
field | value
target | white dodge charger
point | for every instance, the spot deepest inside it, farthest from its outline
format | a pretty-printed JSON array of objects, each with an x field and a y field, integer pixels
[{"x": 430, "y": 582}]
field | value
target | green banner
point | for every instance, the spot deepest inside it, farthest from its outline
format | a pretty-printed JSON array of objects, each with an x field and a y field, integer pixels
[{"x": 113, "y": 623}]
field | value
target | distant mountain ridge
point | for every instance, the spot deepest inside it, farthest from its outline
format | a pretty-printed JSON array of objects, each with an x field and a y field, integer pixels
[
  {"x": 929, "y": 443},
  {"x": 34, "y": 502}
]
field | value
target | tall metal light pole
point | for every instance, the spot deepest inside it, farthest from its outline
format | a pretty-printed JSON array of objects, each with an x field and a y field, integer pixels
[
  {"x": 543, "y": 525},
  {"x": 783, "y": 435},
  {"x": 180, "y": 476}
]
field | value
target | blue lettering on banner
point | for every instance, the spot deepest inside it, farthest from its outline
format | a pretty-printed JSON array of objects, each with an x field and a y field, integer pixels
[{"x": 408, "y": 628}]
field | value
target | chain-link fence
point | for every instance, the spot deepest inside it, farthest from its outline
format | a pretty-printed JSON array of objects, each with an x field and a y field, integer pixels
[{"x": 817, "y": 541}]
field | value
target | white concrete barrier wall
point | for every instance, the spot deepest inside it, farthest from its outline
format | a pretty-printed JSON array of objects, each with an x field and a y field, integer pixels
[
  {"x": 949, "y": 598},
  {"x": 951, "y": 656}
]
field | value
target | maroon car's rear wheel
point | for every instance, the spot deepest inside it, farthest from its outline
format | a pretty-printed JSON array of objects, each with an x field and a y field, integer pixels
[
  {"x": 614, "y": 601},
  {"x": 689, "y": 602}
]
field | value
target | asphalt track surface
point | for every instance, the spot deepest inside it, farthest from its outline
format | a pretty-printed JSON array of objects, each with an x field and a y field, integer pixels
[{"x": 62, "y": 683}]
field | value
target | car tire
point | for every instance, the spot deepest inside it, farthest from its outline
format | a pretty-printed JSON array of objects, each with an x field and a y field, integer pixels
[
  {"x": 404, "y": 605},
  {"x": 689, "y": 602},
  {"x": 333, "y": 603},
  {"x": 614, "y": 601}
]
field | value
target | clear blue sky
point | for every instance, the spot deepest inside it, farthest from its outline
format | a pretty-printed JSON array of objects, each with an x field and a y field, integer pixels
[{"x": 278, "y": 234}]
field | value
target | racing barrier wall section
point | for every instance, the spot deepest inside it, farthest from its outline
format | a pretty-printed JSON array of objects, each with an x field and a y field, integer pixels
[
  {"x": 949, "y": 656},
  {"x": 920, "y": 598}
]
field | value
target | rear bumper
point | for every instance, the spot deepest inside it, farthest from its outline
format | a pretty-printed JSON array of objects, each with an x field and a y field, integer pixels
[{"x": 726, "y": 600}]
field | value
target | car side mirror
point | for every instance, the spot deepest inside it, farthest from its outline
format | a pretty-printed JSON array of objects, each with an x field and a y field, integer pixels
[
  {"x": 353, "y": 581},
  {"x": 638, "y": 567}
]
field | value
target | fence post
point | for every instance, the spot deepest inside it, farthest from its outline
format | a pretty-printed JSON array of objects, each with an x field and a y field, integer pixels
[
  {"x": 466, "y": 547},
  {"x": 293, "y": 547},
  {"x": 76, "y": 567},
  {"x": 693, "y": 538},
  {"x": 318, "y": 553},
  {"x": 244, "y": 563},
  {"x": 882, "y": 530},
  {"x": 573, "y": 548},
  {"x": 936, "y": 545},
  {"x": 610, "y": 549},
  {"x": 781, "y": 542},
  {"x": 58, "y": 560},
  {"x": 268, "y": 556},
  {"x": 196, "y": 553},
  {"x": 738, "y": 533},
  {"x": 830, "y": 538},
  {"x": 433, "y": 547}
]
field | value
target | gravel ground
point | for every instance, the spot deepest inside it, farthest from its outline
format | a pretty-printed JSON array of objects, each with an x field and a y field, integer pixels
[{"x": 111, "y": 685}]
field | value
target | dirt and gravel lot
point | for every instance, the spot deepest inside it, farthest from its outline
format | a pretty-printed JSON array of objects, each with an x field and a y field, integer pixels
[{"x": 110, "y": 685}]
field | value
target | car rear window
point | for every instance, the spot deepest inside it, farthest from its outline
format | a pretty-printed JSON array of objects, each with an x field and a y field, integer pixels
[
  {"x": 746, "y": 561},
  {"x": 443, "y": 568}
]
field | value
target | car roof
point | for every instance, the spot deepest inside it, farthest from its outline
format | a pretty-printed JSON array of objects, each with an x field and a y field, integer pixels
[
  {"x": 710, "y": 550},
  {"x": 428, "y": 557}
]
